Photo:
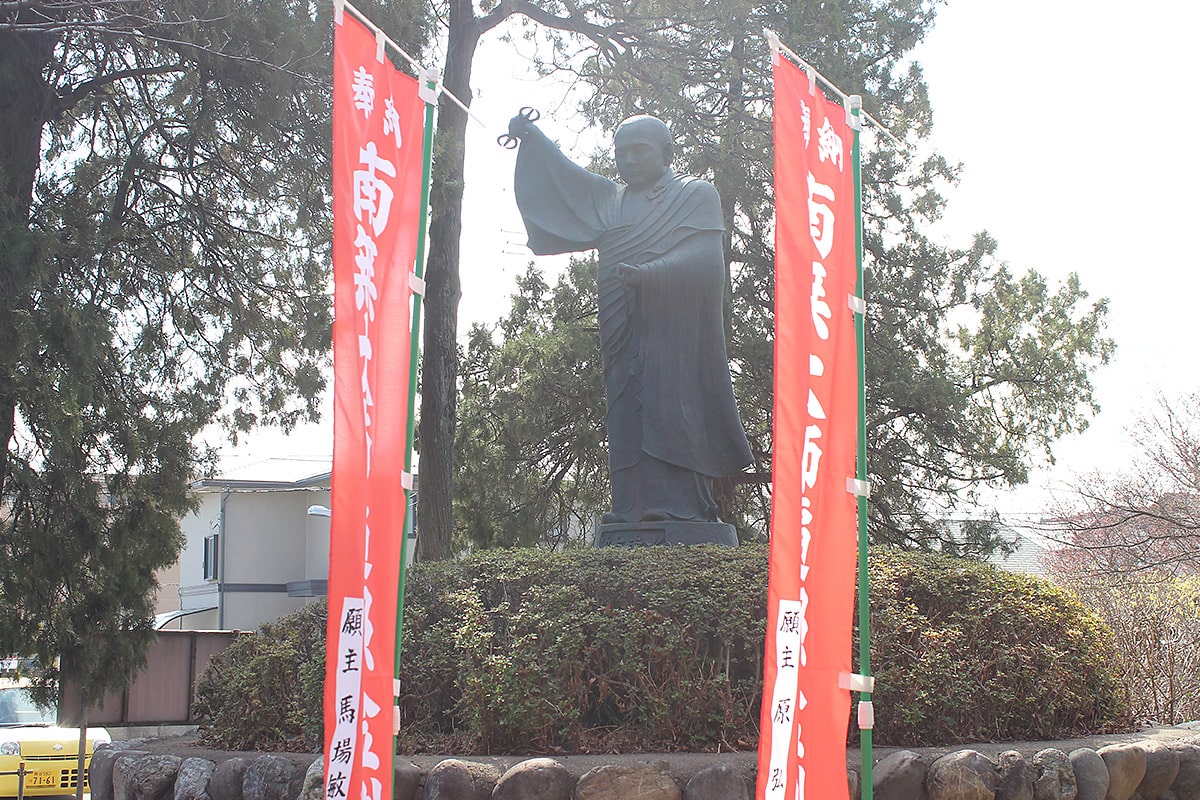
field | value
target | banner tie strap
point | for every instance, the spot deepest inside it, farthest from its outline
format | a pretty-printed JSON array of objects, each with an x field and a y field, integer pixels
[
  {"x": 380, "y": 44},
  {"x": 856, "y": 303},
  {"x": 417, "y": 284},
  {"x": 854, "y": 103},
  {"x": 855, "y": 682},
  {"x": 431, "y": 85},
  {"x": 406, "y": 480},
  {"x": 858, "y": 488},
  {"x": 339, "y": 11},
  {"x": 866, "y": 715},
  {"x": 395, "y": 720},
  {"x": 773, "y": 40}
]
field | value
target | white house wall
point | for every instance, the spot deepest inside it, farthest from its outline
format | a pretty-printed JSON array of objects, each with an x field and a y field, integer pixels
[
  {"x": 262, "y": 549},
  {"x": 194, "y": 591}
]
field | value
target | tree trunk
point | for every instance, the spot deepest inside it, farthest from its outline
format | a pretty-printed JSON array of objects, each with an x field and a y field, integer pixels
[
  {"x": 25, "y": 103},
  {"x": 727, "y": 172},
  {"x": 726, "y": 179},
  {"x": 439, "y": 377}
]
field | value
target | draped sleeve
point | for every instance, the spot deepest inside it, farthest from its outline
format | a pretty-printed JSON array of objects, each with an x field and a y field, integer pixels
[
  {"x": 690, "y": 416},
  {"x": 565, "y": 207}
]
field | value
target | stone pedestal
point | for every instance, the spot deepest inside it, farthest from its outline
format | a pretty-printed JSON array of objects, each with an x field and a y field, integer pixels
[{"x": 668, "y": 532}]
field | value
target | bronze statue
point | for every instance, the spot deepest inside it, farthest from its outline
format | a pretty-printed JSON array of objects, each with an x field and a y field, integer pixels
[{"x": 670, "y": 412}]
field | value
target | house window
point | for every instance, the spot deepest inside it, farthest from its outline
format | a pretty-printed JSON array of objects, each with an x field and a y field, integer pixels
[{"x": 211, "y": 550}]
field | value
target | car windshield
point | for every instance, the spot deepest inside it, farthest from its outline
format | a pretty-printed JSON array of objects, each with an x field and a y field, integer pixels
[{"x": 18, "y": 708}]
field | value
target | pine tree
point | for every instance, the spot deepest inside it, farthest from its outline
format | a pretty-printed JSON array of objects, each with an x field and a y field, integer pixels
[
  {"x": 164, "y": 232},
  {"x": 531, "y": 464}
]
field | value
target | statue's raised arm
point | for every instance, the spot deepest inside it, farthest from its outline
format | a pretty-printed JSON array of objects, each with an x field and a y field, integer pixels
[{"x": 561, "y": 203}]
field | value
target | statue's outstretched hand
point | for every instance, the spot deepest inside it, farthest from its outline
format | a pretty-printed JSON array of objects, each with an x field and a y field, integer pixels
[
  {"x": 629, "y": 274},
  {"x": 518, "y": 127}
]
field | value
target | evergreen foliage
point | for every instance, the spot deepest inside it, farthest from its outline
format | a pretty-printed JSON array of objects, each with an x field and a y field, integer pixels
[
  {"x": 530, "y": 460},
  {"x": 963, "y": 651},
  {"x": 264, "y": 691},
  {"x": 531, "y": 651}
]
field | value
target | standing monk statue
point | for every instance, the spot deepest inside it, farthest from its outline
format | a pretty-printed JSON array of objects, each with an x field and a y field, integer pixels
[{"x": 671, "y": 417}]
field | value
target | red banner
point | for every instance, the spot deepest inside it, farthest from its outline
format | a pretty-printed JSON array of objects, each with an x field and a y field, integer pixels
[
  {"x": 377, "y": 139},
  {"x": 810, "y": 599}
]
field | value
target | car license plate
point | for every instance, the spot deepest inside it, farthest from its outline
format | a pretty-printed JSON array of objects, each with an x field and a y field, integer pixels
[{"x": 40, "y": 779}]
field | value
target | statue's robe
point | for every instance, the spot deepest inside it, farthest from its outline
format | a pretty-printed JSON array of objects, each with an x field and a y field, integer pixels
[{"x": 667, "y": 385}]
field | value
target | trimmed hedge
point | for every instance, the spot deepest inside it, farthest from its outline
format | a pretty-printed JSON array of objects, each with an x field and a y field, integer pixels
[
  {"x": 527, "y": 651},
  {"x": 962, "y": 651},
  {"x": 263, "y": 692}
]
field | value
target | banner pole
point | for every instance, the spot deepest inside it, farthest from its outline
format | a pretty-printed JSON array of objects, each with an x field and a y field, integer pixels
[
  {"x": 430, "y": 88},
  {"x": 866, "y": 715}
]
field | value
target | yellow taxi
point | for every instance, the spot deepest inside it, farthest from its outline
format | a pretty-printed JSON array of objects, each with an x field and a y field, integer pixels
[{"x": 30, "y": 740}]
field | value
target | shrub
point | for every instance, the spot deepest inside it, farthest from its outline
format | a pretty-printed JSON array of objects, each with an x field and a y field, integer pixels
[
  {"x": 1157, "y": 636},
  {"x": 962, "y": 651},
  {"x": 526, "y": 651},
  {"x": 264, "y": 691}
]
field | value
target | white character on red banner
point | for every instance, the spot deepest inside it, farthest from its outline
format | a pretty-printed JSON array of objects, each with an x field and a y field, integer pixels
[
  {"x": 820, "y": 215},
  {"x": 391, "y": 122},
  {"x": 364, "y": 91},
  {"x": 372, "y": 194},
  {"x": 829, "y": 145}
]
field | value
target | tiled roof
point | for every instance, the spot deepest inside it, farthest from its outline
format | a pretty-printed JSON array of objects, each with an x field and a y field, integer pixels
[{"x": 292, "y": 471}]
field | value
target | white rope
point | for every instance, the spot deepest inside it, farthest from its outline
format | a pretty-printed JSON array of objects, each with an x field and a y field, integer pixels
[
  {"x": 778, "y": 47},
  {"x": 340, "y": 5}
]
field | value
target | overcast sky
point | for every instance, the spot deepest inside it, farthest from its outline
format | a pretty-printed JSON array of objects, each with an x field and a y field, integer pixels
[{"x": 1075, "y": 130}]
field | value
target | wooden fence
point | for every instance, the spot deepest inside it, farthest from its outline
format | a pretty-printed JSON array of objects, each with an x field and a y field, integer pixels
[{"x": 162, "y": 692}]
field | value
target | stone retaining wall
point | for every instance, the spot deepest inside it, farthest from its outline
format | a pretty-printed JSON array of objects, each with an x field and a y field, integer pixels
[{"x": 1143, "y": 770}]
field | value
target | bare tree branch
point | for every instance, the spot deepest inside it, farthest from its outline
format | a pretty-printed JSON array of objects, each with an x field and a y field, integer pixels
[
  {"x": 1143, "y": 519},
  {"x": 612, "y": 39},
  {"x": 68, "y": 100}
]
